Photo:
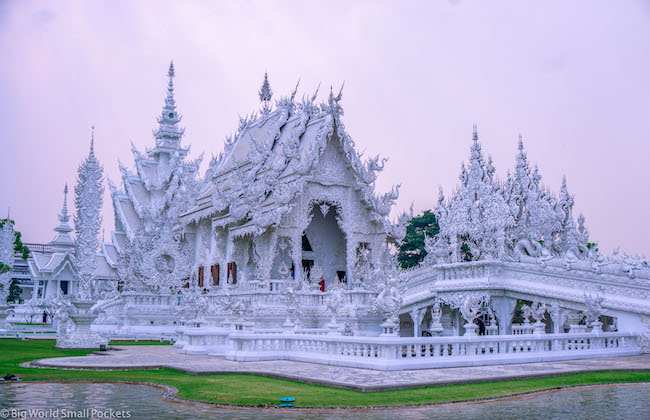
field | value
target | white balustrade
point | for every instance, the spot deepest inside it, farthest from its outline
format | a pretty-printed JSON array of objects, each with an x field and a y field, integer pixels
[
  {"x": 213, "y": 341},
  {"x": 396, "y": 353},
  {"x": 522, "y": 329}
]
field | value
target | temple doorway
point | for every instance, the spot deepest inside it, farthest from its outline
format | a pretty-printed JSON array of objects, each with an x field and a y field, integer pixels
[{"x": 324, "y": 245}]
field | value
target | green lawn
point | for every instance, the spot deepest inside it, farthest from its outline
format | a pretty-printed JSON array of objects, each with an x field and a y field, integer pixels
[{"x": 254, "y": 390}]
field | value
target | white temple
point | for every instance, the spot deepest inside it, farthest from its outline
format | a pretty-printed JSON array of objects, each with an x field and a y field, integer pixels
[
  {"x": 52, "y": 267},
  {"x": 284, "y": 250}
]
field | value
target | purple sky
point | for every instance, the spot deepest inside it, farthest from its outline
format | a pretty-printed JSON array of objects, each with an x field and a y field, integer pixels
[{"x": 572, "y": 77}]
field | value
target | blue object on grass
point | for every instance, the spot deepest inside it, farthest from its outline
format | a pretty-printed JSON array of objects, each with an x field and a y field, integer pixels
[{"x": 287, "y": 399}]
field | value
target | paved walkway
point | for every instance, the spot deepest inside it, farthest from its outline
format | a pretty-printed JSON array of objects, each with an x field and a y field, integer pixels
[{"x": 365, "y": 380}]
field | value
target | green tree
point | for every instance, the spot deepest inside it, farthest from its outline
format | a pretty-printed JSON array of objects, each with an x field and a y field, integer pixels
[
  {"x": 412, "y": 250},
  {"x": 14, "y": 292},
  {"x": 19, "y": 248}
]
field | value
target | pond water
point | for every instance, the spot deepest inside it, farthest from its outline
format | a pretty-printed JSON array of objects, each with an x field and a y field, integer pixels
[{"x": 144, "y": 402}]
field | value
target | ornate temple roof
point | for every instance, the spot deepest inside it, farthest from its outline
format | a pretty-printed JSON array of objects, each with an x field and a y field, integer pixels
[
  {"x": 145, "y": 193},
  {"x": 518, "y": 220},
  {"x": 271, "y": 157}
]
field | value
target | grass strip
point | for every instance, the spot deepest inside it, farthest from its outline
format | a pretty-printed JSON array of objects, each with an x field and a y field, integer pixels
[{"x": 254, "y": 390}]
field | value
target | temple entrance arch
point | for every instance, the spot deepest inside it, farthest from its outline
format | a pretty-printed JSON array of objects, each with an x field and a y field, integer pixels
[{"x": 324, "y": 244}]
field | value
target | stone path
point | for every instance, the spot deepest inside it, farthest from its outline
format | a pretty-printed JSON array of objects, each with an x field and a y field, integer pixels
[{"x": 364, "y": 380}]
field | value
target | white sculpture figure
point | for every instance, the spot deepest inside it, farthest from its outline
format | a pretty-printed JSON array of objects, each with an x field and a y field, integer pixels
[
  {"x": 470, "y": 309},
  {"x": 594, "y": 311},
  {"x": 574, "y": 318},
  {"x": 193, "y": 306},
  {"x": 491, "y": 328},
  {"x": 366, "y": 276},
  {"x": 315, "y": 277},
  {"x": 643, "y": 339},
  {"x": 538, "y": 311},
  {"x": 241, "y": 309},
  {"x": 77, "y": 316},
  {"x": 335, "y": 298},
  {"x": 62, "y": 309},
  {"x": 389, "y": 301},
  {"x": 292, "y": 302},
  {"x": 435, "y": 326}
]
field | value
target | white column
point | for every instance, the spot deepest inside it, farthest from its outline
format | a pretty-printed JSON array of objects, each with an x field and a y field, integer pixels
[
  {"x": 504, "y": 308},
  {"x": 417, "y": 315}
]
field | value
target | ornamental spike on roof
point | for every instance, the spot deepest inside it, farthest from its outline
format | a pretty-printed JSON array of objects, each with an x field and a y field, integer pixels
[
  {"x": 266, "y": 94},
  {"x": 92, "y": 141},
  {"x": 168, "y": 135},
  {"x": 62, "y": 240},
  {"x": 63, "y": 217}
]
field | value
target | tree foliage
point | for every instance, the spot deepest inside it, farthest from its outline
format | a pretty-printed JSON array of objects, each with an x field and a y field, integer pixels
[
  {"x": 19, "y": 248},
  {"x": 412, "y": 250}
]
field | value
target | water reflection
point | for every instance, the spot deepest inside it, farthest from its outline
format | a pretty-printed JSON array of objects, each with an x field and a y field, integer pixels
[{"x": 626, "y": 401}]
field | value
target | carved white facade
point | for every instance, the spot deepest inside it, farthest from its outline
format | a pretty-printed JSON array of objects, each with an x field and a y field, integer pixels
[{"x": 285, "y": 251}]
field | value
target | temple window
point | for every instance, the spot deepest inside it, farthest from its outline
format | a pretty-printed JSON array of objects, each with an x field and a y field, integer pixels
[
  {"x": 306, "y": 246},
  {"x": 307, "y": 265},
  {"x": 215, "y": 274},
  {"x": 342, "y": 277},
  {"x": 232, "y": 272},
  {"x": 201, "y": 276}
]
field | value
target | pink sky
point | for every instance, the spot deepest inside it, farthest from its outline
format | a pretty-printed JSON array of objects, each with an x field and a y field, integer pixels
[{"x": 571, "y": 77}]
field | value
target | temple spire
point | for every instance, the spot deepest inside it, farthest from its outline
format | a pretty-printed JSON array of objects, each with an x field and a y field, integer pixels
[
  {"x": 62, "y": 240},
  {"x": 168, "y": 135},
  {"x": 63, "y": 217},
  {"x": 92, "y": 142},
  {"x": 266, "y": 94}
]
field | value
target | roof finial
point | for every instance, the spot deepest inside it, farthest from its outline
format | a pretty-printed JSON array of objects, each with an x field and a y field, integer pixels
[
  {"x": 63, "y": 217},
  {"x": 92, "y": 140},
  {"x": 168, "y": 133},
  {"x": 266, "y": 94},
  {"x": 170, "y": 73}
]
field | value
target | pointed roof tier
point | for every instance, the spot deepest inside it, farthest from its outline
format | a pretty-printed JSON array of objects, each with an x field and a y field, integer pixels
[
  {"x": 159, "y": 173},
  {"x": 491, "y": 219},
  {"x": 168, "y": 135},
  {"x": 62, "y": 240},
  {"x": 530, "y": 204}
]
